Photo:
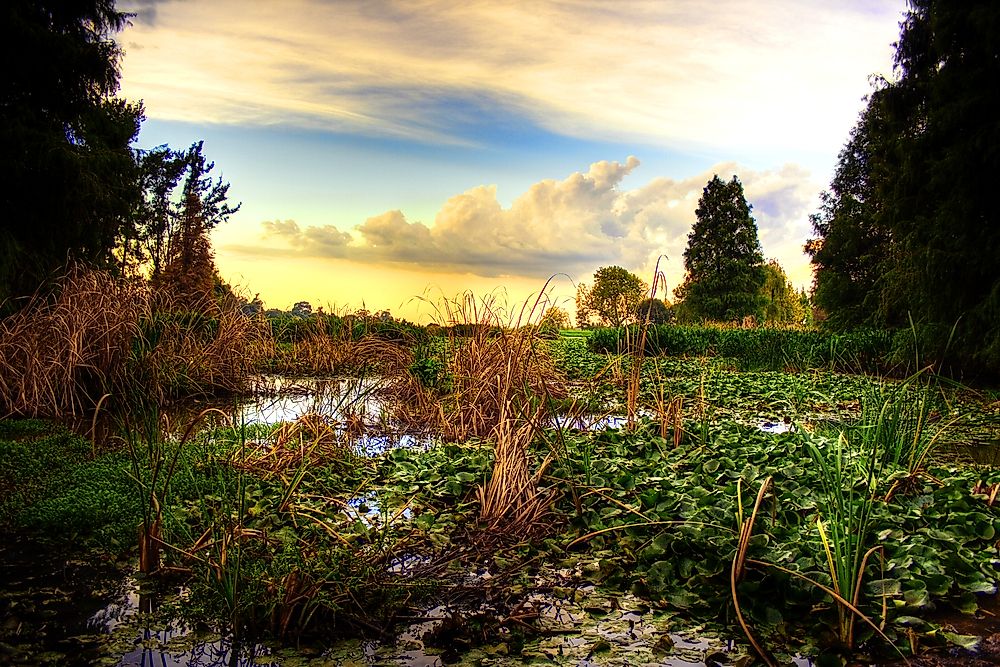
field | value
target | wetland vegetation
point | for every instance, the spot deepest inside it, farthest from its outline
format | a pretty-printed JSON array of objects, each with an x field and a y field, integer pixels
[
  {"x": 187, "y": 478},
  {"x": 485, "y": 494}
]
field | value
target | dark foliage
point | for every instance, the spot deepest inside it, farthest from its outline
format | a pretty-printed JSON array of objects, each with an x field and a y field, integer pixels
[
  {"x": 68, "y": 185},
  {"x": 910, "y": 228},
  {"x": 723, "y": 259}
]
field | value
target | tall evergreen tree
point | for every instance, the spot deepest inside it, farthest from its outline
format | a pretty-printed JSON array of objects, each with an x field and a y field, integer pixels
[
  {"x": 723, "y": 259},
  {"x": 852, "y": 249},
  {"x": 68, "y": 186},
  {"x": 943, "y": 117},
  {"x": 911, "y": 228}
]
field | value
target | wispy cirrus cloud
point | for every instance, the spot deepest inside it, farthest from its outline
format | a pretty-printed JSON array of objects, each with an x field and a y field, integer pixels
[
  {"x": 786, "y": 73},
  {"x": 571, "y": 225}
]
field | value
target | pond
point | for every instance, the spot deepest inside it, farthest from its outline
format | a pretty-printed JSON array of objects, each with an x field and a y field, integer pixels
[{"x": 65, "y": 609}]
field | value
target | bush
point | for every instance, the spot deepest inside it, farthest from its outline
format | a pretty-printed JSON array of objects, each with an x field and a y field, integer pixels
[{"x": 764, "y": 348}]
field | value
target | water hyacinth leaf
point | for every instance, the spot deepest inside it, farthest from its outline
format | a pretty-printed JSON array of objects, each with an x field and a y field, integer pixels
[
  {"x": 938, "y": 584},
  {"x": 910, "y": 621},
  {"x": 968, "y": 642},
  {"x": 966, "y": 603},
  {"x": 917, "y": 598},
  {"x": 883, "y": 587}
]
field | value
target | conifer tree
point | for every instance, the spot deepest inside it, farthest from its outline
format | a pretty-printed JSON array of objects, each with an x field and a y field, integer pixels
[{"x": 723, "y": 259}]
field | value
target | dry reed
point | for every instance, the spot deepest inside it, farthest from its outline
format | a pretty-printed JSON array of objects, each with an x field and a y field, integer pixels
[
  {"x": 501, "y": 380},
  {"x": 96, "y": 334},
  {"x": 311, "y": 440},
  {"x": 60, "y": 354}
]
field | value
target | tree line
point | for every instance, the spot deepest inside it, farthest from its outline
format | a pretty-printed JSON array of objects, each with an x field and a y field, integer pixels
[
  {"x": 726, "y": 278},
  {"x": 908, "y": 234}
]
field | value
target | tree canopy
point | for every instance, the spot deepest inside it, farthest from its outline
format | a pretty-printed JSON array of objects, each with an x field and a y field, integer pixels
[
  {"x": 723, "y": 259},
  {"x": 613, "y": 298},
  {"x": 68, "y": 180},
  {"x": 913, "y": 190}
]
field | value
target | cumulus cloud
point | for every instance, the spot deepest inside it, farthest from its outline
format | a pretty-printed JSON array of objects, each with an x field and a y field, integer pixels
[{"x": 573, "y": 225}]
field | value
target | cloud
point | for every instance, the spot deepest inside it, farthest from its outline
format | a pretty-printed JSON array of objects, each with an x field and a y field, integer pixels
[
  {"x": 781, "y": 74},
  {"x": 573, "y": 225},
  {"x": 143, "y": 11}
]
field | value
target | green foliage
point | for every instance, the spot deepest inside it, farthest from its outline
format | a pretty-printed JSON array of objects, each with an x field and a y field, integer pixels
[
  {"x": 50, "y": 486},
  {"x": 286, "y": 328},
  {"x": 613, "y": 298},
  {"x": 670, "y": 537},
  {"x": 723, "y": 259},
  {"x": 763, "y": 348}
]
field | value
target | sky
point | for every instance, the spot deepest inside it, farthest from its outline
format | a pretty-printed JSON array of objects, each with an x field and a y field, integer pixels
[{"x": 390, "y": 154}]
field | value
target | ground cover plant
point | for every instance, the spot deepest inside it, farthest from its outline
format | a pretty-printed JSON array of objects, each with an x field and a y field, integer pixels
[{"x": 844, "y": 533}]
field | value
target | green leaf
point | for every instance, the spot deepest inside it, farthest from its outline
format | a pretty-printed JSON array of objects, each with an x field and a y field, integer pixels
[{"x": 968, "y": 642}]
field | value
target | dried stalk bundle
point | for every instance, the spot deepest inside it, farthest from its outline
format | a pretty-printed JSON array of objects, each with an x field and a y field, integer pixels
[
  {"x": 511, "y": 500},
  {"x": 59, "y": 355},
  {"x": 310, "y": 440}
]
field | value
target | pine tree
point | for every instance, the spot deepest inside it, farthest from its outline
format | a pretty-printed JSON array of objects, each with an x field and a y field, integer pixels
[
  {"x": 189, "y": 273},
  {"x": 723, "y": 258}
]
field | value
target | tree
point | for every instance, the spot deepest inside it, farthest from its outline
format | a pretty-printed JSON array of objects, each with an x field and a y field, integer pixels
[
  {"x": 554, "y": 318},
  {"x": 723, "y": 258},
  {"x": 915, "y": 183},
  {"x": 852, "y": 248},
  {"x": 583, "y": 314},
  {"x": 937, "y": 190},
  {"x": 68, "y": 178},
  {"x": 654, "y": 311},
  {"x": 782, "y": 303},
  {"x": 189, "y": 272},
  {"x": 614, "y": 297}
]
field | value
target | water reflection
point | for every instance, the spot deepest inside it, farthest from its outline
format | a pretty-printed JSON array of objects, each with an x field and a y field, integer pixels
[{"x": 359, "y": 407}]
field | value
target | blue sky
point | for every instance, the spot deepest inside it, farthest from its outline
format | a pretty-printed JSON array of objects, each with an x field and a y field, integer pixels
[{"x": 383, "y": 148}]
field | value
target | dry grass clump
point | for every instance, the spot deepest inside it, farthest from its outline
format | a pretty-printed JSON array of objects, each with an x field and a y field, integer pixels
[
  {"x": 311, "y": 440},
  {"x": 201, "y": 351},
  {"x": 501, "y": 377},
  {"x": 499, "y": 371},
  {"x": 60, "y": 354},
  {"x": 97, "y": 334},
  {"x": 511, "y": 501}
]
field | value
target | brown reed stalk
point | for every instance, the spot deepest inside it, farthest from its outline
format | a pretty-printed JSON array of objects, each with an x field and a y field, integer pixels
[{"x": 65, "y": 349}]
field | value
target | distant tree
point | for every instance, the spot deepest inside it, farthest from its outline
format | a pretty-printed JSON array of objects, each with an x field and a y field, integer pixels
[
  {"x": 782, "y": 303},
  {"x": 723, "y": 258},
  {"x": 302, "y": 309},
  {"x": 68, "y": 185},
  {"x": 654, "y": 311},
  {"x": 583, "y": 313},
  {"x": 614, "y": 296},
  {"x": 554, "y": 318}
]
